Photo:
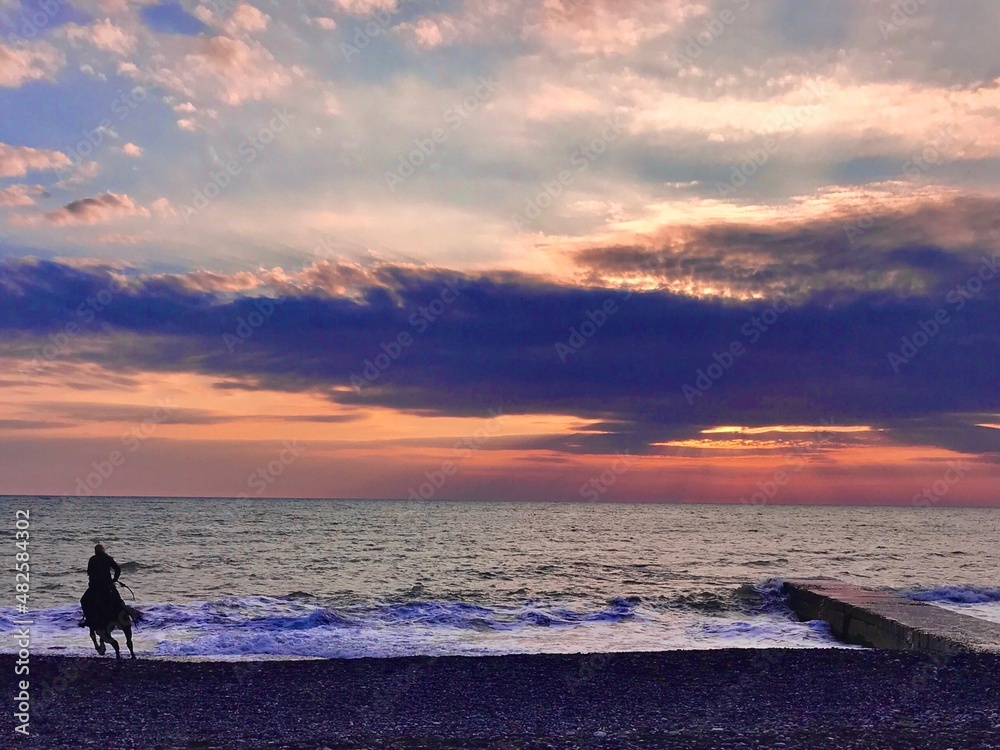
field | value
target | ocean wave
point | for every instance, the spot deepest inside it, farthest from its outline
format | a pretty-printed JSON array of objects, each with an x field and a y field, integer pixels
[
  {"x": 766, "y": 632},
  {"x": 132, "y": 566},
  {"x": 747, "y": 599},
  {"x": 301, "y": 624},
  {"x": 301, "y": 610},
  {"x": 956, "y": 595}
]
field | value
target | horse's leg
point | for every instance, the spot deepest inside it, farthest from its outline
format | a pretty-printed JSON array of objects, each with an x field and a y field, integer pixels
[
  {"x": 114, "y": 643},
  {"x": 127, "y": 629},
  {"x": 98, "y": 646}
]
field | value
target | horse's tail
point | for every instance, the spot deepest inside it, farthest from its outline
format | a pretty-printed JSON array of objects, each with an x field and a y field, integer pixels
[{"x": 135, "y": 615}]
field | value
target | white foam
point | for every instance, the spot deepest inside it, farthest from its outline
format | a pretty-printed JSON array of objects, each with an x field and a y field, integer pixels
[{"x": 261, "y": 627}]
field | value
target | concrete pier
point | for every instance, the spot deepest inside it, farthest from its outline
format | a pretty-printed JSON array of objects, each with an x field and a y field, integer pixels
[{"x": 877, "y": 619}]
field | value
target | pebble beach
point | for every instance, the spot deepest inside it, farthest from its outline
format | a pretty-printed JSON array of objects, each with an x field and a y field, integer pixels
[{"x": 737, "y": 698}]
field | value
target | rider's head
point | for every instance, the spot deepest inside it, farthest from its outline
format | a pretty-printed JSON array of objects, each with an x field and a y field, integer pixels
[{"x": 98, "y": 549}]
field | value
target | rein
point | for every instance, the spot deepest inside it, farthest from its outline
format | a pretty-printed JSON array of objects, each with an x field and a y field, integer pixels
[{"x": 129, "y": 589}]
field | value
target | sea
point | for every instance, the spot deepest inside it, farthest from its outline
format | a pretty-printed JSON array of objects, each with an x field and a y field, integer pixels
[{"x": 237, "y": 579}]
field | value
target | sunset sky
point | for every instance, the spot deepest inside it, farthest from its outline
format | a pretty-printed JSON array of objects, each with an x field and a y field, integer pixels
[{"x": 622, "y": 250}]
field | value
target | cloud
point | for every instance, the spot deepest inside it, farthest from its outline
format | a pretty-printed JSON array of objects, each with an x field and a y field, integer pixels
[
  {"x": 902, "y": 241},
  {"x": 117, "y": 238},
  {"x": 20, "y": 195},
  {"x": 496, "y": 343},
  {"x": 246, "y": 19},
  {"x": 552, "y": 101},
  {"x": 475, "y": 22},
  {"x": 232, "y": 71},
  {"x": 82, "y": 411},
  {"x": 78, "y": 174},
  {"x": 103, "y": 208},
  {"x": 102, "y": 412},
  {"x": 130, "y": 149},
  {"x": 104, "y": 35},
  {"x": 22, "y": 63},
  {"x": 162, "y": 207},
  {"x": 430, "y": 32},
  {"x": 16, "y": 161},
  {"x": 363, "y": 7},
  {"x": 169, "y": 17},
  {"x": 607, "y": 27},
  {"x": 241, "y": 21},
  {"x": 803, "y": 106},
  {"x": 594, "y": 27}
]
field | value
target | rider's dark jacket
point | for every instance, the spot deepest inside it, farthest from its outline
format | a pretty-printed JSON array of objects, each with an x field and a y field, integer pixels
[{"x": 99, "y": 569}]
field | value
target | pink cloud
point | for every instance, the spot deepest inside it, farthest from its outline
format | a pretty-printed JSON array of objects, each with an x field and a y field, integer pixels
[
  {"x": 162, "y": 207},
  {"x": 477, "y": 19},
  {"x": 130, "y": 149},
  {"x": 19, "y": 195},
  {"x": 79, "y": 174},
  {"x": 104, "y": 35},
  {"x": 609, "y": 27},
  {"x": 244, "y": 19},
  {"x": 336, "y": 278},
  {"x": 117, "y": 239},
  {"x": 21, "y": 63},
  {"x": 105, "y": 207},
  {"x": 19, "y": 160},
  {"x": 604, "y": 27},
  {"x": 229, "y": 70},
  {"x": 122, "y": 6},
  {"x": 364, "y": 7},
  {"x": 429, "y": 33},
  {"x": 552, "y": 101}
]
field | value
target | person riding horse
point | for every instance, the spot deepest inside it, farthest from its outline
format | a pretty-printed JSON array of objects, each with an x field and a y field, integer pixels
[
  {"x": 103, "y": 607},
  {"x": 102, "y": 598},
  {"x": 99, "y": 568}
]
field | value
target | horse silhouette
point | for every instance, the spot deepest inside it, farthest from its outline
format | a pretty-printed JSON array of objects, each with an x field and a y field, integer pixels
[{"x": 103, "y": 611}]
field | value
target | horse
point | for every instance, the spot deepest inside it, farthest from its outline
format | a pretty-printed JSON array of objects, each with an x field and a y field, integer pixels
[{"x": 102, "y": 613}]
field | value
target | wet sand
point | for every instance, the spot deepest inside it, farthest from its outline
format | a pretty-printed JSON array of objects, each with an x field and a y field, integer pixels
[{"x": 679, "y": 699}]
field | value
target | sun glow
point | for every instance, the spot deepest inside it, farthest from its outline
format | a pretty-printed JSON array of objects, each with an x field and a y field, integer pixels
[{"x": 728, "y": 429}]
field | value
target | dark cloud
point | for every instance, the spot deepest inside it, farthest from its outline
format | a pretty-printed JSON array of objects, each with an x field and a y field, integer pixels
[
  {"x": 104, "y": 207},
  {"x": 902, "y": 251},
  {"x": 495, "y": 345},
  {"x": 958, "y": 434},
  {"x": 28, "y": 424},
  {"x": 102, "y": 412},
  {"x": 165, "y": 413}
]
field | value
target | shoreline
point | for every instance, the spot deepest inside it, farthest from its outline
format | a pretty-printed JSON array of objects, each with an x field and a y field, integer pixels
[{"x": 751, "y": 698}]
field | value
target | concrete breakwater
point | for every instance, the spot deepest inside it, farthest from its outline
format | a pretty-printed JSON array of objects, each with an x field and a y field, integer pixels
[{"x": 879, "y": 619}]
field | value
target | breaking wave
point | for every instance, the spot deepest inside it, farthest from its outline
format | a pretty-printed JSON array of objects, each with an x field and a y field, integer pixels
[
  {"x": 301, "y": 624},
  {"x": 956, "y": 595}
]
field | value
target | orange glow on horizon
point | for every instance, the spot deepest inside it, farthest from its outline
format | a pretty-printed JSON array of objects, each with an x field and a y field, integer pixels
[
  {"x": 216, "y": 437},
  {"x": 787, "y": 428}
]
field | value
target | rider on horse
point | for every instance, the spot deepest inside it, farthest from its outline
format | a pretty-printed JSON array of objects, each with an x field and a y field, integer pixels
[
  {"x": 103, "y": 607},
  {"x": 99, "y": 569},
  {"x": 102, "y": 593}
]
